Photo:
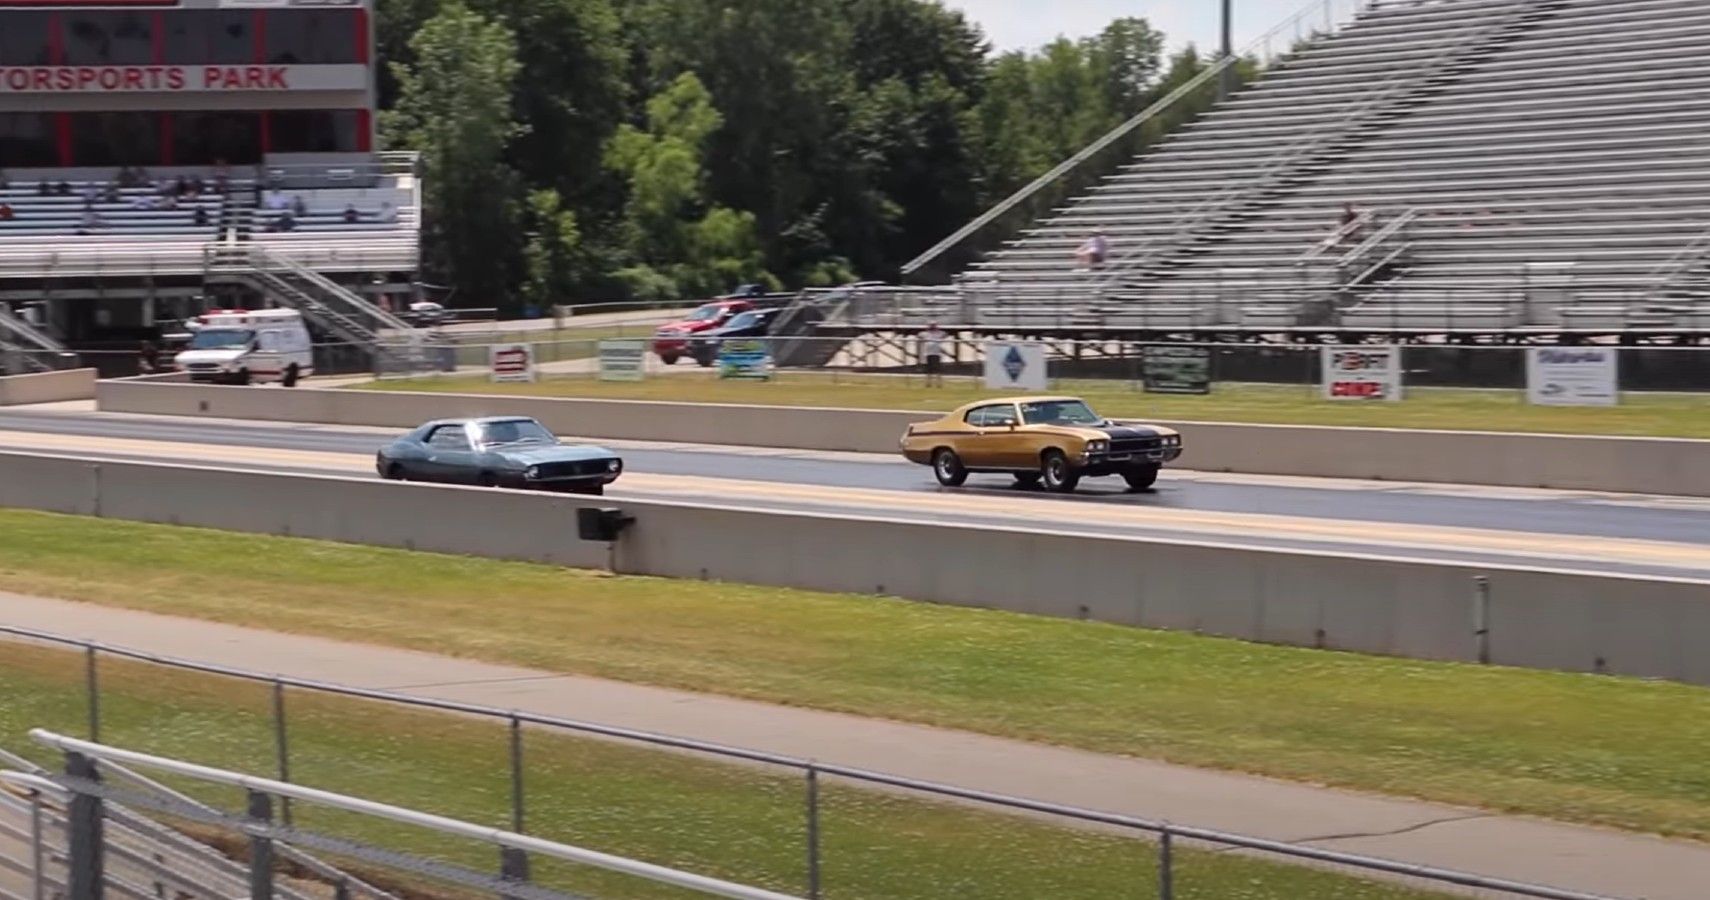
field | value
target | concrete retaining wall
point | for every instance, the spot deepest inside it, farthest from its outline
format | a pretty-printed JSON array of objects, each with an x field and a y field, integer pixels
[
  {"x": 1647, "y": 627},
  {"x": 47, "y": 387},
  {"x": 1614, "y": 464}
]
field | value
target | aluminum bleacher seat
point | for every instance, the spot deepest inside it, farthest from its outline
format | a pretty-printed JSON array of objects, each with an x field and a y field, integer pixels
[{"x": 1515, "y": 133}]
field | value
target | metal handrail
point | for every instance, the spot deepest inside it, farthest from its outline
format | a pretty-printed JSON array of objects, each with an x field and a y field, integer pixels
[
  {"x": 866, "y": 776},
  {"x": 429, "y": 821},
  {"x": 1119, "y": 132},
  {"x": 1335, "y": 240},
  {"x": 1382, "y": 234},
  {"x": 1197, "y": 216},
  {"x": 1676, "y": 267}
]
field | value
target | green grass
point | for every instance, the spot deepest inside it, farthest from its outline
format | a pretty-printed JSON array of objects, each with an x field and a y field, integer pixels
[
  {"x": 1663, "y": 415},
  {"x": 736, "y": 822},
  {"x": 554, "y": 345},
  {"x": 1610, "y": 751}
]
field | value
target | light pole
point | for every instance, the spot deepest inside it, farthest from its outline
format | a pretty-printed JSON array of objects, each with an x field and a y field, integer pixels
[{"x": 1226, "y": 81}]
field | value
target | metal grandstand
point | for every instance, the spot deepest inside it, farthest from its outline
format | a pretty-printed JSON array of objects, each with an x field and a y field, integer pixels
[{"x": 1520, "y": 170}]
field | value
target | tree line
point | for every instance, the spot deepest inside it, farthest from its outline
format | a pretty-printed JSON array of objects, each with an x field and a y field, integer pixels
[{"x": 663, "y": 149}]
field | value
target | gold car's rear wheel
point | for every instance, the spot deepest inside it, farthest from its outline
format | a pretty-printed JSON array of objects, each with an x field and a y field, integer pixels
[
  {"x": 1058, "y": 475},
  {"x": 947, "y": 466}
]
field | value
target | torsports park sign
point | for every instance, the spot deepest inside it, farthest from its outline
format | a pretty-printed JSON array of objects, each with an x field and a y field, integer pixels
[{"x": 179, "y": 79}]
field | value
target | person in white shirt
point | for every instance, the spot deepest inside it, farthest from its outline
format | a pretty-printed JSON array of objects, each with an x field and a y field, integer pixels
[
  {"x": 276, "y": 200},
  {"x": 1092, "y": 253},
  {"x": 932, "y": 353}
]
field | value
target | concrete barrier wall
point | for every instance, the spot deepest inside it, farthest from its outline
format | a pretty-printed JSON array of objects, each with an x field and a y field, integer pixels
[
  {"x": 47, "y": 387},
  {"x": 1615, "y": 464},
  {"x": 1420, "y": 609}
]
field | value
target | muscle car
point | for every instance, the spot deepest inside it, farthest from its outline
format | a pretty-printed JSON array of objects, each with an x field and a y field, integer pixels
[
  {"x": 497, "y": 452},
  {"x": 1055, "y": 441}
]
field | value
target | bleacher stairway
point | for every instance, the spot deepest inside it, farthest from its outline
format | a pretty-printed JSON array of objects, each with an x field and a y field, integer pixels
[{"x": 1528, "y": 143}]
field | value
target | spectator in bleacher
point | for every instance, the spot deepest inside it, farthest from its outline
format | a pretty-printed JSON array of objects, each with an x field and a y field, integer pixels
[
  {"x": 91, "y": 222},
  {"x": 4, "y": 181},
  {"x": 298, "y": 207},
  {"x": 276, "y": 201},
  {"x": 111, "y": 193},
  {"x": 285, "y": 222},
  {"x": 91, "y": 193},
  {"x": 148, "y": 358},
  {"x": 1092, "y": 253},
  {"x": 44, "y": 189},
  {"x": 6, "y": 213},
  {"x": 351, "y": 216},
  {"x": 200, "y": 217},
  {"x": 63, "y": 189},
  {"x": 198, "y": 187}
]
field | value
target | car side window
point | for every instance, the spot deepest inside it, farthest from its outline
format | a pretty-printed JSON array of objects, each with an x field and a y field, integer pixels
[
  {"x": 976, "y": 417},
  {"x": 449, "y": 437},
  {"x": 999, "y": 416}
]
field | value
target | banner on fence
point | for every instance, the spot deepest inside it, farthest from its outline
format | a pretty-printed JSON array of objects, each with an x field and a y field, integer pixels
[
  {"x": 1362, "y": 373},
  {"x": 1176, "y": 370},
  {"x": 511, "y": 362},
  {"x": 1013, "y": 365},
  {"x": 1572, "y": 376},
  {"x": 623, "y": 360},
  {"x": 744, "y": 359}
]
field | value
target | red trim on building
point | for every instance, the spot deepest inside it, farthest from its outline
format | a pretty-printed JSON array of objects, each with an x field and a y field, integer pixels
[
  {"x": 62, "y": 136},
  {"x": 166, "y": 137},
  {"x": 56, "y": 40},
  {"x": 364, "y": 131},
  {"x": 258, "y": 25},
  {"x": 158, "y": 27},
  {"x": 362, "y": 36}
]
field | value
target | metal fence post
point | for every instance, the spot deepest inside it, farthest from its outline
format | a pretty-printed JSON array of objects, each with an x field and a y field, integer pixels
[
  {"x": 517, "y": 788},
  {"x": 1481, "y": 617},
  {"x": 260, "y": 848},
  {"x": 38, "y": 856},
  {"x": 812, "y": 832},
  {"x": 92, "y": 685},
  {"x": 1166, "y": 864},
  {"x": 281, "y": 746},
  {"x": 83, "y": 832}
]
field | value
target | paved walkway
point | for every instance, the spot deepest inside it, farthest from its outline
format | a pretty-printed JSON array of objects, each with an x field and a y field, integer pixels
[{"x": 1581, "y": 858}]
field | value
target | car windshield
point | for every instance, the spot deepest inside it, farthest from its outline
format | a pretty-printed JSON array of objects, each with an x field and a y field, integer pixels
[
  {"x": 221, "y": 338},
  {"x": 746, "y": 320},
  {"x": 514, "y": 431},
  {"x": 1060, "y": 412},
  {"x": 706, "y": 313}
]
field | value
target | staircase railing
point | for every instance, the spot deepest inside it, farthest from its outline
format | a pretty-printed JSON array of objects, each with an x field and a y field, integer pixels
[
  {"x": 1669, "y": 274},
  {"x": 1458, "y": 43},
  {"x": 1260, "y": 47},
  {"x": 23, "y": 346},
  {"x": 1384, "y": 248}
]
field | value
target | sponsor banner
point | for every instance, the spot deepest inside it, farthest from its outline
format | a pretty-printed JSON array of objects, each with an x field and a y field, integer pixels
[
  {"x": 511, "y": 362},
  {"x": 744, "y": 358},
  {"x": 623, "y": 360},
  {"x": 1016, "y": 365},
  {"x": 1573, "y": 376},
  {"x": 179, "y": 79},
  {"x": 1362, "y": 372},
  {"x": 1176, "y": 370}
]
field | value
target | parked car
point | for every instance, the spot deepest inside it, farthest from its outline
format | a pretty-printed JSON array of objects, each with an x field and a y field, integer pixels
[
  {"x": 751, "y": 324},
  {"x": 1054, "y": 440},
  {"x": 497, "y": 452},
  {"x": 671, "y": 342}
]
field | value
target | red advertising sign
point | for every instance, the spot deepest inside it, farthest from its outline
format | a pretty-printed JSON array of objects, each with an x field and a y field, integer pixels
[{"x": 175, "y": 79}]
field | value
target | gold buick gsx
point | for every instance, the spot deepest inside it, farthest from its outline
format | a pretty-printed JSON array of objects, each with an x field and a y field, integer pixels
[{"x": 1056, "y": 441}]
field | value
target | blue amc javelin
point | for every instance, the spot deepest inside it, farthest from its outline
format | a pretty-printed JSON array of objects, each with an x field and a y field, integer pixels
[{"x": 497, "y": 452}]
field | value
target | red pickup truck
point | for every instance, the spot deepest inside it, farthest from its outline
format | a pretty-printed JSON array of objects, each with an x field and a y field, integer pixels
[{"x": 671, "y": 342}]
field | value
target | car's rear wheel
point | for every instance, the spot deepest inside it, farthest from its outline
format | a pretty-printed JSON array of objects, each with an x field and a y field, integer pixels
[
  {"x": 1058, "y": 475},
  {"x": 292, "y": 373},
  {"x": 1140, "y": 478},
  {"x": 669, "y": 359},
  {"x": 947, "y": 466},
  {"x": 1027, "y": 479}
]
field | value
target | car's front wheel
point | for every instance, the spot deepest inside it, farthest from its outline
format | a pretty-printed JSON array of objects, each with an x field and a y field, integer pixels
[
  {"x": 1058, "y": 475},
  {"x": 947, "y": 466},
  {"x": 1140, "y": 478},
  {"x": 669, "y": 359}
]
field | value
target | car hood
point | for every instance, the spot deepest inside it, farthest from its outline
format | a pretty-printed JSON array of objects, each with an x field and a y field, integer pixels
[
  {"x": 208, "y": 356},
  {"x": 1123, "y": 431},
  {"x": 534, "y": 456}
]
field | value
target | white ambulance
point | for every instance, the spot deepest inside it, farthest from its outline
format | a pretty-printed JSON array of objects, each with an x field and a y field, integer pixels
[{"x": 237, "y": 346}]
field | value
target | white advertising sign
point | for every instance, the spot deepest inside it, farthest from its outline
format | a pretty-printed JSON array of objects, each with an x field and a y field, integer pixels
[
  {"x": 179, "y": 79},
  {"x": 1362, "y": 372},
  {"x": 511, "y": 362},
  {"x": 1572, "y": 376},
  {"x": 623, "y": 360},
  {"x": 1016, "y": 365}
]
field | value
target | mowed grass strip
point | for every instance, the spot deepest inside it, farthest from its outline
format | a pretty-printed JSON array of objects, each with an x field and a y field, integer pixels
[
  {"x": 737, "y": 822},
  {"x": 1583, "y": 748},
  {"x": 1660, "y": 415}
]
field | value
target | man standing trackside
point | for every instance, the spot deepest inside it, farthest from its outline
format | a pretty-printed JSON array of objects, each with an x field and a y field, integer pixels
[{"x": 932, "y": 352}]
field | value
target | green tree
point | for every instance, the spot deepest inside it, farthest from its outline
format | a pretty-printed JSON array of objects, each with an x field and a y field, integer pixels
[
  {"x": 680, "y": 244},
  {"x": 454, "y": 106},
  {"x": 554, "y": 259}
]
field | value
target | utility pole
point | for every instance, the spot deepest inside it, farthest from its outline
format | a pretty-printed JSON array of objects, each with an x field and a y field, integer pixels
[{"x": 1226, "y": 82}]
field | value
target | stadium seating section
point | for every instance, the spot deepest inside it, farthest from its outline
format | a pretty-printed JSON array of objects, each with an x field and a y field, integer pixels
[{"x": 1523, "y": 163}]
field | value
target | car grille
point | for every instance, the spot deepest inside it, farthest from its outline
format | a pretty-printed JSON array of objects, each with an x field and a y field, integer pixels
[
  {"x": 203, "y": 367},
  {"x": 547, "y": 471},
  {"x": 1136, "y": 445}
]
